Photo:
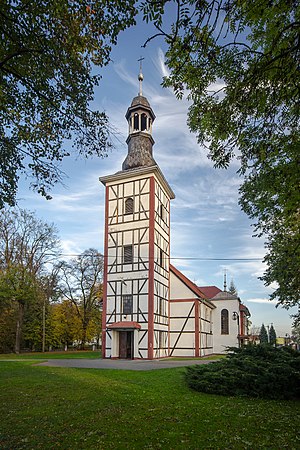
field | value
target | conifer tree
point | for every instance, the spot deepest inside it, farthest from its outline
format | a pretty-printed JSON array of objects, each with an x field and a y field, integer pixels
[
  {"x": 263, "y": 335},
  {"x": 272, "y": 335},
  {"x": 232, "y": 288}
]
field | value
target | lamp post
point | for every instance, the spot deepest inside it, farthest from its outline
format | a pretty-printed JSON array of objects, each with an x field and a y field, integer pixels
[{"x": 235, "y": 316}]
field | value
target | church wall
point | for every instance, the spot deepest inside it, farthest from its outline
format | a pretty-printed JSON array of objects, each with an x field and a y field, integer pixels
[
  {"x": 182, "y": 328},
  {"x": 222, "y": 341},
  {"x": 206, "y": 335},
  {"x": 178, "y": 290},
  {"x": 161, "y": 255}
]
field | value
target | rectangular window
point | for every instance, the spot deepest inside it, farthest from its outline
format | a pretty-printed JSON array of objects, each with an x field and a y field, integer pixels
[
  {"x": 161, "y": 306},
  {"x": 161, "y": 258},
  {"x": 128, "y": 254},
  {"x": 127, "y": 302},
  {"x": 161, "y": 339}
]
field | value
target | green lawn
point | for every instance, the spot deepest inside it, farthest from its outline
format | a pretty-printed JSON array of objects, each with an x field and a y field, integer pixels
[
  {"x": 49, "y": 408},
  {"x": 53, "y": 355}
]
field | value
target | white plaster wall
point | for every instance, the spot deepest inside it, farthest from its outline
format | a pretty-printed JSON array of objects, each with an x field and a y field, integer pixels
[
  {"x": 221, "y": 341},
  {"x": 178, "y": 289},
  {"x": 180, "y": 309}
]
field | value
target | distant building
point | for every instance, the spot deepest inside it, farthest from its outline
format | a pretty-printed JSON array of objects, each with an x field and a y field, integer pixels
[{"x": 150, "y": 309}]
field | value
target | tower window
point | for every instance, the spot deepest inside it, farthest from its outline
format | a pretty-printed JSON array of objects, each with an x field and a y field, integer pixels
[
  {"x": 161, "y": 306},
  {"x": 127, "y": 304},
  {"x": 161, "y": 339},
  {"x": 162, "y": 211},
  {"x": 224, "y": 322},
  {"x": 128, "y": 254},
  {"x": 129, "y": 206},
  {"x": 136, "y": 122},
  {"x": 161, "y": 258},
  {"x": 144, "y": 122}
]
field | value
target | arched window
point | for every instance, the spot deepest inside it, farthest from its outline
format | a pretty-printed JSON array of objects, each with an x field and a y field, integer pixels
[
  {"x": 129, "y": 206},
  {"x": 224, "y": 322},
  {"x": 136, "y": 122},
  {"x": 144, "y": 122}
]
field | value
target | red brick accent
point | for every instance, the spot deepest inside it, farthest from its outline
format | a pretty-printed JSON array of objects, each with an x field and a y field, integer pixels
[
  {"x": 197, "y": 336},
  {"x": 105, "y": 273},
  {"x": 151, "y": 268},
  {"x": 123, "y": 324}
]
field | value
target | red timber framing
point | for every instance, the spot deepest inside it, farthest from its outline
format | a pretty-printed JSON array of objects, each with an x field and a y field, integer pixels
[
  {"x": 151, "y": 269},
  {"x": 197, "y": 329},
  {"x": 104, "y": 309}
]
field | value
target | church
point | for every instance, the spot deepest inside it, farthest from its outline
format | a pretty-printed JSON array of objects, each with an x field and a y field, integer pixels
[{"x": 151, "y": 309}]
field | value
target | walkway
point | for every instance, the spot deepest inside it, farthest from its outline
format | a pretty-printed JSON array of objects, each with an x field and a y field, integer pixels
[{"x": 123, "y": 364}]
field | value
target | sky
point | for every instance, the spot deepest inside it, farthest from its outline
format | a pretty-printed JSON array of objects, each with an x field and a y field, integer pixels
[{"x": 207, "y": 225}]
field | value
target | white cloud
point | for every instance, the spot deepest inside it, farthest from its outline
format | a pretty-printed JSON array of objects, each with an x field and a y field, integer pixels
[{"x": 262, "y": 300}]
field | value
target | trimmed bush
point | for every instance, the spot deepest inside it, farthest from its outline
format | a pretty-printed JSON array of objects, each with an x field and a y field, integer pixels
[{"x": 253, "y": 371}]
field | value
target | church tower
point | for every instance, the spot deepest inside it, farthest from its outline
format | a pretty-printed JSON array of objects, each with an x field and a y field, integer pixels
[{"x": 137, "y": 247}]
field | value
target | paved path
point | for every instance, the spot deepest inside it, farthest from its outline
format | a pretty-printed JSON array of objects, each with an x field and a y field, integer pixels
[{"x": 122, "y": 364}]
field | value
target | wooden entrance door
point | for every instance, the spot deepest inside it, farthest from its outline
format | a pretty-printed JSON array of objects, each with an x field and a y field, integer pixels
[{"x": 126, "y": 344}]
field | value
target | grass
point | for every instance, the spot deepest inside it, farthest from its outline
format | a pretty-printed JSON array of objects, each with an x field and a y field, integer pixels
[
  {"x": 73, "y": 354},
  {"x": 59, "y": 408}
]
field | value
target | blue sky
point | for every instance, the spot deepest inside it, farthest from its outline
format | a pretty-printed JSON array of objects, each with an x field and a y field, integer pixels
[{"x": 206, "y": 221}]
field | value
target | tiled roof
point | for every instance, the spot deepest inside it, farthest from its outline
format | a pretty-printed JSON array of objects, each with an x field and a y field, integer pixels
[
  {"x": 123, "y": 325},
  {"x": 140, "y": 100},
  {"x": 224, "y": 295},
  {"x": 209, "y": 291},
  {"x": 245, "y": 309}
]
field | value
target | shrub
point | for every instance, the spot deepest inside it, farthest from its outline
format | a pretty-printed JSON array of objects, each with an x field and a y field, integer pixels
[{"x": 254, "y": 371}]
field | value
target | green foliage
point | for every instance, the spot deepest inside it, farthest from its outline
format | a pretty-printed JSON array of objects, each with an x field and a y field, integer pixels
[
  {"x": 27, "y": 247},
  {"x": 272, "y": 335},
  {"x": 263, "y": 335},
  {"x": 65, "y": 326},
  {"x": 239, "y": 63},
  {"x": 254, "y": 371},
  {"x": 47, "y": 52},
  {"x": 82, "y": 286}
]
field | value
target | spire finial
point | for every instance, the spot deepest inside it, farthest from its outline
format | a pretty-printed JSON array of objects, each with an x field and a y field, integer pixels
[
  {"x": 140, "y": 77},
  {"x": 225, "y": 282}
]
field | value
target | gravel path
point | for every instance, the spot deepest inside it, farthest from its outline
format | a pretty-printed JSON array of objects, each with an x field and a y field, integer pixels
[{"x": 122, "y": 364}]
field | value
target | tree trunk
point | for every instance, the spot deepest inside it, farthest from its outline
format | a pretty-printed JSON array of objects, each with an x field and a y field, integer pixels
[
  {"x": 84, "y": 330},
  {"x": 19, "y": 327}
]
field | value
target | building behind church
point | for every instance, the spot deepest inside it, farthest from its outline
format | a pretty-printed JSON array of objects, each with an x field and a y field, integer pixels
[{"x": 150, "y": 308}]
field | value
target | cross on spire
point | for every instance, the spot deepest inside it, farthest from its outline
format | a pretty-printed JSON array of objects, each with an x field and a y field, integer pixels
[{"x": 140, "y": 77}]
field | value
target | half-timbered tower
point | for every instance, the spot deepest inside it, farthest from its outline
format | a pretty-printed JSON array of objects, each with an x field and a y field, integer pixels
[
  {"x": 151, "y": 309},
  {"x": 137, "y": 247}
]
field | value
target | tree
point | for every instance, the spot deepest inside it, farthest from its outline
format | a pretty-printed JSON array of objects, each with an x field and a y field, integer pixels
[
  {"x": 28, "y": 246},
  {"x": 65, "y": 326},
  {"x": 20, "y": 287},
  {"x": 81, "y": 284},
  {"x": 296, "y": 335},
  {"x": 232, "y": 289},
  {"x": 263, "y": 335},
  {"x": 239, "y": 63},
  {"x": 272, "y": 335},
  {"x": 47, "y": 53}
]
